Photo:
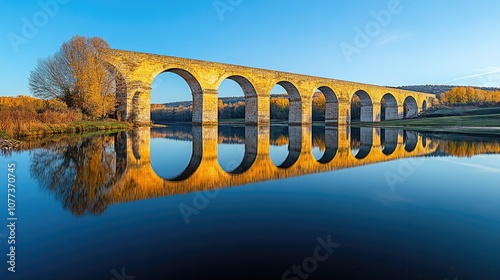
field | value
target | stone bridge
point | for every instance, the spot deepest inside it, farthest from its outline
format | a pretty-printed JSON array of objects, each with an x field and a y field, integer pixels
[
  {"x": 135, "y": 73},
  {"x": 138, "y": 180}
]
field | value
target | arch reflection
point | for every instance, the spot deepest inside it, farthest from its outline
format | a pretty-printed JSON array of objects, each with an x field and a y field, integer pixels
[
  {"x": 361, "y": 141},
  {"x": 389, "y": 139},
  {"x": 88, "y": 174}
]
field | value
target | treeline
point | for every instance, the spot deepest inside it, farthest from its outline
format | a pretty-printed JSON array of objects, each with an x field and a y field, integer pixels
[
  {"x": 235, "y": 109},
  {"x": 470, "y": 96},
  {"x": 438, "y": 89},
  {"x": 468, "y": 149}
]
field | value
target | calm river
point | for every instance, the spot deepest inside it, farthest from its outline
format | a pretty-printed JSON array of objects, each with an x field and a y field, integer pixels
[{"x": 236, "y": 203}]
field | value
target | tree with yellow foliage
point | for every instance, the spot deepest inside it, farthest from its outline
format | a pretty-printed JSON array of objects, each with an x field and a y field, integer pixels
[{"x": 77, "y": 76}]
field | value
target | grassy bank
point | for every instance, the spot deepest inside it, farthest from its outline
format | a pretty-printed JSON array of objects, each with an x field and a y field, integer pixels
[
  {"x": 452, "y": 120},
  {"x": 461, "y": 111},
  {"x": 64, "y": 128}
]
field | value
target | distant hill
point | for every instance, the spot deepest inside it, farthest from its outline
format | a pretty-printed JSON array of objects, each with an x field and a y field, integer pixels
[
  {"x": 227, "y": 100},
  {"x": 434, "y": 89},
  {"x": 438, "y": 89}
]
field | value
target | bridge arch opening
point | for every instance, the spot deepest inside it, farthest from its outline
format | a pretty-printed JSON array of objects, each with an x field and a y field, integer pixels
[
  {"x": 173, "y": 103},
  {"x": 325, "y": 106},
  {"x": 252, "y": 137},
  {"x": 324, "y": 111},
  {"x": 388, "y": 140},
  {"x": 173, "y": 142},
  {"x": 279, "y": 144},
  {"x": 361, "y": 141},
  {"x": 286, "y": 103},
  {"x": 175, "y": 97},
  {"x": 120, "y": 88},
  {"x": 410, "y": 140},
  {"x": 389, "y": 108},
  {"x": 361, "y": 107},
  {"x": 325, "y": 143},
  {"x": 232, "y": 148},
  {"x": 238, "y": 101},
  {"x": 233, "y": 113},
  {"x": 424, "y": 106},
  {"x": 410, "y": 108}
]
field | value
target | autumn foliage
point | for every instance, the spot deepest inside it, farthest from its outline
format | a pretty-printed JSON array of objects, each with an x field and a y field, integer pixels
[
  {"x": 21, "y": 114},
  {"x": 470, "y": 96},
  {"x": 279, "y": 110},
  {"x": 77, "y": 76}
]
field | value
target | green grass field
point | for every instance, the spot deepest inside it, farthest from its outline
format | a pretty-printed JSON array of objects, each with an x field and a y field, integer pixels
[
  {"x": 457, "y": 120},
  {"x": 461, "y": 111},
  {"x": 75, "y": 127}
]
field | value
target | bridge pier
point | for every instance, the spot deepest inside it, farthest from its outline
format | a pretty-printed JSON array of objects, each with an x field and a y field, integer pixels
[
  {"x": 391, "y": 112},
  {"x": 377, "y": 111},
  {"x": 257, "y": 110},
  {"x": 344, "y": 112},
  {"x": 367, "y": 113},
  {"x": 332, "y": 113},
  {"x": 205, "y": 110},
  {"x": 401, "y": 112},
  {"x": 138, "y": 109}
]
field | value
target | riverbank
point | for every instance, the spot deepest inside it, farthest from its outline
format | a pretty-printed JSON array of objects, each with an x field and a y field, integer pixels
[
  {"x": 485, "y": 124},
  {"x": 8, "y": 141}
]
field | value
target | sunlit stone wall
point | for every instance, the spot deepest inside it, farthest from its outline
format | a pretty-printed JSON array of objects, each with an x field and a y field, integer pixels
[{"x": 136, "y": 72}]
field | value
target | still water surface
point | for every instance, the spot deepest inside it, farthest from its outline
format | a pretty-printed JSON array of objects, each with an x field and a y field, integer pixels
[{"x": 256, "y": 203}]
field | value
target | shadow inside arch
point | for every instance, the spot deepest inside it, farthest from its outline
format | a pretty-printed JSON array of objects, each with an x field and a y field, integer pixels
[{"x": 362, "y": 141}]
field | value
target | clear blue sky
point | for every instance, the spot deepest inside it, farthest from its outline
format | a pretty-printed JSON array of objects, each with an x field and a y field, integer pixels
[{"x": 424, "y": 42}]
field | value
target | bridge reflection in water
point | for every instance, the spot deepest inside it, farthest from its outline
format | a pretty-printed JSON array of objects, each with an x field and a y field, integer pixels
[
  {"x": 343, "y": 148},
  {"x": 88, "y": 174}
]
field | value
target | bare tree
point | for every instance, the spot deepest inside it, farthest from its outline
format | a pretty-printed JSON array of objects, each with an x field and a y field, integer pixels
[{"x": 77, "y": 76}]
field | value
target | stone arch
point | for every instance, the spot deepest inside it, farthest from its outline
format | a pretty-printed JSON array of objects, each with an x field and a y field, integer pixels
[
  {"x": 410, "y": 108},
  {"x": 294, "y": 147},
  {"x": 250, "y": 94},
  {"x": 251, "y": 150},
  {"x": 388, "y": 141},
  {"x": 424, "y": 141},
  {"x": 424, "y": 105},
  {"x": 391, "y": 107},
  {"x": 410, "y": 140},
  {"x": 196, "y": 156},
  {"x": 366, "y": 114},
  {"x": 188, "y": 76},
  {"x": 122, "y": 108},
  {"x": 332, "y": 105},
  {"x": 196, "y": 91},
  {"x": 295, "y": 112},
  {"x": 361, "y": 141},
  {"x": 331, "y": 144},
  {"x": 243, "y": 82}
]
